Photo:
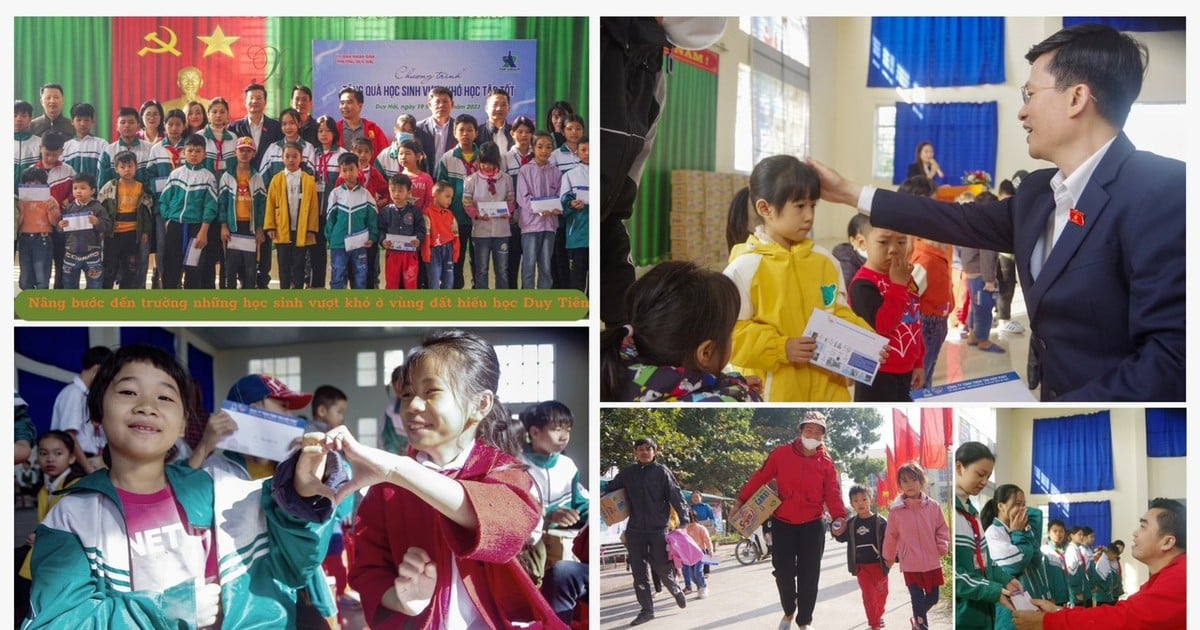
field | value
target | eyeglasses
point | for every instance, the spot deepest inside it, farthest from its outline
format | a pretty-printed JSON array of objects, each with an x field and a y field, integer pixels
[{"x": 1026, "y": 94}]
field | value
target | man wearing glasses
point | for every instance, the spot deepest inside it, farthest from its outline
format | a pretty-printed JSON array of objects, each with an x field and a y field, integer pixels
[{"x": 1098, "y": 240}]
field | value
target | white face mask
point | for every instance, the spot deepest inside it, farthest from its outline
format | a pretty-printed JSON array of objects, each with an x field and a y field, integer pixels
[
  {"x": 860, "y": 252},
  {"x": 810, "y": 443},
  {"x": 694, "y": 33}
]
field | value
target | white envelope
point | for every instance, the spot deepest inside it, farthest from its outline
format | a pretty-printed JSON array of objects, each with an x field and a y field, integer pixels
[
  {"x": 543, "y": 205},
  {"x": 581, "y": 193},
  {"x": 843, "y": 348},
  {"x": 261, "y": 433},
  {"x": 357, "y": 240},
  {"x": 493, "y": 208},
  {"x": 243, "y": 243},
  {"x": 77, "y": 221},
  {"x": 402, "y": 243},
  {"x": 191, "y": 256},
  {"x": 1022, "y": 601},
  {"x": 160, "y": 184},
  {"x": 33, "y": 192}
]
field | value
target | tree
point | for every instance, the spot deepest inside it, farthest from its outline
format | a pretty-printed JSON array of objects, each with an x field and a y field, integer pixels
[
  {"x": 851, "y": 431},
  {"x": 860, "y": 470},
  {"x": 620, "y": 428}
]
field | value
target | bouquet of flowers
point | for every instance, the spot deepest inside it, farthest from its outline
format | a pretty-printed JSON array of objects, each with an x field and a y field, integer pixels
[{"x": 980, "y": 178}]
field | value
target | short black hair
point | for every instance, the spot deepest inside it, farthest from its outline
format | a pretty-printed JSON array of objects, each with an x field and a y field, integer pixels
[
  {"x": 96, "y": 355},
  {"x": 400, "y": 179},
  {"x": 362, "y": 141},
  {"x": 355, "y": 92},
  {"x": 859, "y": 224},
  {"x": 51, "y": 86},
  {"x": 1112, "y": 64},
  {"x": 857, "y": 489},
  {"x": 35, "y": 175},
  {"x": 918, "y": 185},
  {"x": 85, "y": 178},
  {"x": 22, "y": 107},
  {"x": 53, "y": 141},
  {"x": 83, "y": 110},
  {"x": 1006, "y": 187},
  {"x": 347, "y": 158},
  {"x": 440, "y": 90},
  {"x": 646, "y": 441},
  {"x": 129, "y": 111},
  {"x": 138, "y": 353},
  {"x": 302, "y": 88},
  {"x": 1172, "y": 520},
  {"x": 499, "y": 92},
  {"x": 125, "y": 157},
  {"x": 255, "y": 86},
  {"x": 196, "y": 140},
  {"x": 466, "y": 119},
  {"x": 550, "y": 413},
  {"x": 1054, "y": 521},
  {"x": 326, "y": 396},
  {"x": 584, "y": 140}
]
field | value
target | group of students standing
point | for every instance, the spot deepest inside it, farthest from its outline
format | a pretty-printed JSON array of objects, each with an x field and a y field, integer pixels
[{"x": 199, "y": 192}]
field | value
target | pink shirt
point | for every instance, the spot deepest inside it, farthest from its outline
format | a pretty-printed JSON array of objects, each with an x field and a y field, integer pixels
[{"x": 164, "y": 550}]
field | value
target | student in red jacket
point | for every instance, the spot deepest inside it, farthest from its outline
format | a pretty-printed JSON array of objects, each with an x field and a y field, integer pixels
[
  {"x": 437, "y": 536},
  {"x": 808, "y": 485},
  {"x": 1159, "y": 542}
]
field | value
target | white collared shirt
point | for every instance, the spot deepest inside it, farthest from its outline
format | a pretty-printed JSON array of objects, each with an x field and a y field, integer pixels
[{"x": 1067, "y": 190}]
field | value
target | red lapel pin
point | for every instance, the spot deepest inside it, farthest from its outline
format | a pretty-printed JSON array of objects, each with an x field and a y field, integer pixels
[{"x": 1076, "y": 217}]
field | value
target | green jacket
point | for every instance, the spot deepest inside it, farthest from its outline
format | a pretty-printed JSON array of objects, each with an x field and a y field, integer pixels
[
  {"x": 977, "y": 588},
  {"x": 81, "y": 563}
]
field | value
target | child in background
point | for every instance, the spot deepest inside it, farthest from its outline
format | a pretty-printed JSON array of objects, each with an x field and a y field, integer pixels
[
  {"x": 455, "y": 167},
  {"x": 272, "y": 162},
  {"x": 573, "y": 191},
  {"x": 1077, "y": 559},
  {"x": 197, "y": 118},
  {"x": 59, "y": 175},
  {"x": 83, "y": 151},
  {"x": 884, "y": 294},
  {"x": 852, "y": 254},
  {"x": 538, "y": 179},
  {"x": 84, "y": 247},
  {"x": 978, "y": 583},
  {"x": 1104, "y": 576},
  {"x": 329, "y": 406},
  {"x": 128, "y": 125},
  {"x": 489, "y": 234},
  {"x": 26, "y": 147},
  {"x": 781, "y": 277},
  {"x": 566, "y": 156},
  {"x": 373, "y": 182},
  {"x": 979, "y": 268},
  {"x": 556, "y": 117},
  {"x": 36, "y": 223},
  {"x": 352, "y": 209},
  {"x": 327, "y": 171},
  {"x": 864, "y": 535},
  {"x": 932, "y": 274},
  {"x": 695, "y": 572},
  {"x": 401, "y": 218},
  {"x": 442, "y": 246},
  {"x": 167, "y": 155},
  {"x": 453, "y": 515},
  {"x": 678, "y": 340},
  {"x": 388, "y": 161},
  {"x": 188, "y": 205},
  {"x": 412, "y": 160},
  {"x": 563, "y": 496},
  {"x": 291, "y": 221},
  {"x": 220, "y": 143},
  {"x": 129, "y": 204},
  {"x": 242, "y": 206},
  {"x": 1054, "y": 551},
  {"x": 918, "y": 535},
  {"x": 1011, "y": 531},
  {"x": 518, "y": 155},
  {"x": 139, "y": 396}
]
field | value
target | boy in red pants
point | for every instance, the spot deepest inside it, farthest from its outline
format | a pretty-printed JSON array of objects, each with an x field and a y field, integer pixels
[{"x": 864, "y": 534}]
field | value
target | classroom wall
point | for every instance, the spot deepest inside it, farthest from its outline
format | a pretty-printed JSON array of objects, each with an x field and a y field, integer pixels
[
  {"x": 1137, "y": 478},
  {"x": 335, "y": 364},
  {"x": 842, "y": 119}
]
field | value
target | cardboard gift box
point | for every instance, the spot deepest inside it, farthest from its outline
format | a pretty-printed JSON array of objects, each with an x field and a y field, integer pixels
[
  {"x": 614, "y": 507},
  {"x": 754, "y": 512}
]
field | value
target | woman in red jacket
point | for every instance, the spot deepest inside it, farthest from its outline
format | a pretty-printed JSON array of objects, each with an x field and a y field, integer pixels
[{"x": 807, "y": 483}]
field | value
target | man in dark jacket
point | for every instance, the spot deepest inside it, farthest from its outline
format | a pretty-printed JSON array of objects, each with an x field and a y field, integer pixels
[{"x": 651, "y": 492}]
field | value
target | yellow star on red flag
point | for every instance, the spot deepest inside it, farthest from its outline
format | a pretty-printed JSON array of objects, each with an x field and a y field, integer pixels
[{"x": 218, "y": 42}]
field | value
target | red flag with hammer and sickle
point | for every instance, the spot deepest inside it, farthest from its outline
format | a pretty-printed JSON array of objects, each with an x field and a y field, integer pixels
[{"x": 176, "y": 59}]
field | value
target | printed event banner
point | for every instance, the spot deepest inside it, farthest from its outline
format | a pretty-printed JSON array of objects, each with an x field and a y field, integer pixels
[
  {"x": 396, "y": 76},
  {"x": 178, "y": 59}
]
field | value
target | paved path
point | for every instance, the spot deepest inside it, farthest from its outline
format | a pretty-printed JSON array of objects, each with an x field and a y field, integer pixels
[{"x": 745, "y": 597}]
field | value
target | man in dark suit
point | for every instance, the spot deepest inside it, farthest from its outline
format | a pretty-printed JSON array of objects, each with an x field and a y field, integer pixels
[
  {"x": 436, "y": 132},
  {"x": 265, "y": 131},
  {"x": 1098, "y": 241},
  {"x": 496, "y": 128}
]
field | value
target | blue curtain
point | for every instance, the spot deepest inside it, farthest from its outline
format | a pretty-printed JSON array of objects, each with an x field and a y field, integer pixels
[
  {"x": 39, "y": 392},
  {"x": 61, "y": 347},
  {"x": 908, "y": 52},
  {"x": 1132, "y": 24},
  {"x": 964, "y": 137},
  {"x": 1072, "y": 454},
  {"x": 1166, "y": 432},
  {"x": 157, "y": 337},
  {"x": 1094, "y": 514},
  {"x": 200, "y": 365}
]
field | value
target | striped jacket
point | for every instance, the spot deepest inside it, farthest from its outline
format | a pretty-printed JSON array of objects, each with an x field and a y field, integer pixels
[
  {"x": 190, "y": 196},
  {"x": 145, "y": 161},
  {"x": 977, "y": 581},
  {"x": 81, "y": 562},
  {"x": 83, "y": 154}
]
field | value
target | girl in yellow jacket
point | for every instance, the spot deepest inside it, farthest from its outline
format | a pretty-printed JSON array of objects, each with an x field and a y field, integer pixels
[
  {"x": 291, "y": 221},
  {"x": 782, "y": 276}
]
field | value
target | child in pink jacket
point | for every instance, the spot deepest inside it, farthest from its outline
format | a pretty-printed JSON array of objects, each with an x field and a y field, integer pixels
[{"x": 917, "y": 534}]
